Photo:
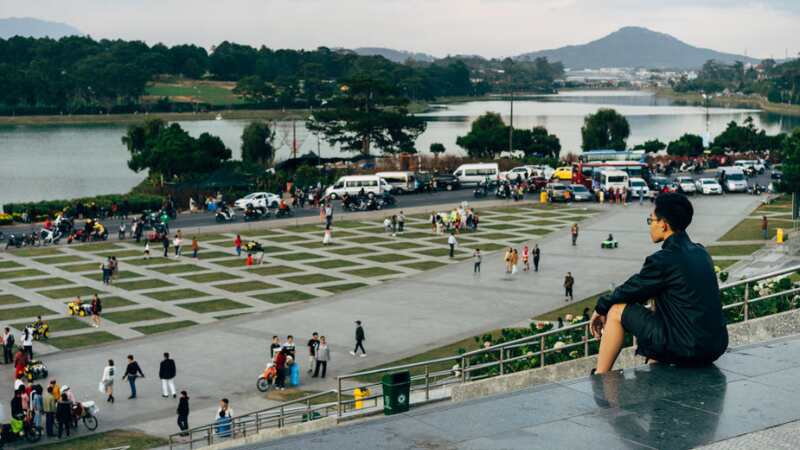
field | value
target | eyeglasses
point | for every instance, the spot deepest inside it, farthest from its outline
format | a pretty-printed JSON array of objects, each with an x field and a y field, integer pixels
[{"x": 650, "y": 220}]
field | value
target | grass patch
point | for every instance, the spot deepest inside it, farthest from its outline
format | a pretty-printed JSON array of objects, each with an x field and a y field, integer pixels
[
  {"x": 202, "y": 92},
  {"x": 130, "y": 440},
  {"x": 333, "y": 263},
  {"x": 121, "y": 254},
  {"x": 66, "y": 259},
  {"x": 315, "y": 278},
  {"x": 284, "y": 297},
  {"x": 401, "y": 245},
  {"x": 231, "y": 263},
  {"x": 143, "y": 284},
  {"x": 161, "y": 327},
  {"x": 9, "y": 299},
  {"x": 294, "y": 237},
  {"x": 99, "y": 247},
  {"x": 155, "y": 260},
  {"x": 268, "y": 271},
  {"x": 536, "y": 231},
  {"x": 175, "y": 294},
  {"x": 337, "y": 288},
  {"x": 122, "y": 275},
  {"x": 502, "y": 226},
  {"x": 82, "y": 340},
  {"x": 63, "y": 324},
  {"x": 21, "y": 273},
  {"x": 388, "y": 258},
  {"x": 545, "y": 223},
  {"x": 350, "y": 251},
  {"x": 213, "y": 237},
  {"x": 213, "y": 254},
  {"x": 9, "y": 264},
  {"x": 366, "y": 239},
  {"x": 438, "y": 252},
  {"x": 245, "y": 286},
  {"x": 370, "y": 272},
  {"x": 308, "y": 228},
  {"x": 750, "y": 229},
  {"x": 115, "y": 302},
  {"x": 733, "y": 250},
  {"x": 423, "y": 265},
  {"x": 41, "y": 282},
  {"x": 210, "y": 277},
  {"x": 725, "y": 263},
  {"x": 40, "y": 251},
  {"x": 180, "y": 268},
  {"x": 350, "y": 224},
  {"x": 414, "y": 235},
  {"x": 497, "y": 236},
  {"x": 211, "y": 306},
  {"x": 315, "y": 244},
  {"x": 136, "y": 315},
  {"x": 487, "y": 246},
  {"x": 82, "y": 291},
  {"x": 574, "y": 308},
  {"x": 443, "y": 240},
  {"x": 299, "y": 256},
  {"x": 24, "y": 312},
  {"x": 86, "y": 267}
]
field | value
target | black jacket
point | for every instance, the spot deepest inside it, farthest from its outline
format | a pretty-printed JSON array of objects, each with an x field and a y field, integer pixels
[
  {"x": 167, "y": 370},
  {"x": 183, "y": 406},
  {"x": 64, "y": 411},
  {"x": 360, "y": 333},
  {"x": 681, "y": 278}
]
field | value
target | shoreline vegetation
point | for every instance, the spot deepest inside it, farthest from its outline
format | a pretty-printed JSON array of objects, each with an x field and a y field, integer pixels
[{"x": 416, "y": 107}]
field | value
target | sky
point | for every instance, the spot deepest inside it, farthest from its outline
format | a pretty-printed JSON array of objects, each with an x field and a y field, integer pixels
[{"x": 491, "y": 28}]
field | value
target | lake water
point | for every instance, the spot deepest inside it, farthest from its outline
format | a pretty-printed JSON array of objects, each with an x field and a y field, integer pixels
[{"x": 67, "y": 161}]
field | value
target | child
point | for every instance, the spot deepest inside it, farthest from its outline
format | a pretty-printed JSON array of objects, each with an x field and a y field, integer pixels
[
  {"x": 147, "y": 249},
  {"x": 525, "y": 265}
]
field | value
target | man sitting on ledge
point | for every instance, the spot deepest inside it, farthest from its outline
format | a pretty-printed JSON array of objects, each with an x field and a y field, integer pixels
[{"x": 687, "y": 326}]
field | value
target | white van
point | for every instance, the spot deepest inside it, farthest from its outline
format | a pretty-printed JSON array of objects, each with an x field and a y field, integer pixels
[
  {"x": 732, "y": 179},
  {"x": 353, "y": 184},
  {"x": 402, "y": 182},
  {"x": 475, "y": 173},
  {"x": 613, "y": 179}
]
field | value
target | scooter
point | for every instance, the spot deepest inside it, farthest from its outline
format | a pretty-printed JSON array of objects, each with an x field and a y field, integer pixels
[
  {"x": 284, "y": 212},
  {"x": 267, "y": 378},
  {"x": 225, "y": 215},
  {"x": 48, "y": 237},
  {"x": 19, "y": 429},
  {"x": 14, "y": 240},
  {"x": 251, "y": 214}
]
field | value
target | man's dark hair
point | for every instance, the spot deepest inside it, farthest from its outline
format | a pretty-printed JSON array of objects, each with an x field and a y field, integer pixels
[{"x": 675, "y": 209}]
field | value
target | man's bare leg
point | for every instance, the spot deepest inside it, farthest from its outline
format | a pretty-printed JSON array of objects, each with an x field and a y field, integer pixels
[{"x": 612, "y": 339}]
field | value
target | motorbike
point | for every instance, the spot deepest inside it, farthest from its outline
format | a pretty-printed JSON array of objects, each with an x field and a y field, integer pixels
[
  {"x": 19, "y": 429},
  {"x": 251, "y": 214},
  {"x": 85, "y": 412},
  {"x": 756, "y": 189},
  {"x": 31, "y": 239},
  {"x": 14, "y": 240},
  {"x": 225, "y": 215},
  {"x": 48, "y": 237},
  {"x": 284, "y": 212},
  {"x": 267, "y": 378},
  {"x": 388, "y": 200},
  {"x": 480, "y": 191}
]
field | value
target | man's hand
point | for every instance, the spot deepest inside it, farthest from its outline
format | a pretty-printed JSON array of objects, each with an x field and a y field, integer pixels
[{"x": 596, "y": 324}]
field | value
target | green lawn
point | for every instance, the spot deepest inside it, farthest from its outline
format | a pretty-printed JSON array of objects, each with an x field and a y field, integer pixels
[
  {"x": 349, "y": 224},
  {"x": 725, "y": 263},
  {"x": 8, "y": 264},
  {"x": 296, "y": 256},
  {"x": 497, "y": 237},
  {"x": 284, "y": 297},
  {"x": 750, "y": 229},
  {"x": 273, "y": 270},
  {"x": 76, "y": 268},
  {"x": 155, "y": 260},
  {"x": 99, "y": 247},
  {"x": 211, "y": 306},
  {"x": 119, "y": 439},
  {"x": 115, "y": 302},
  {"x": 210, "y": 277},
  {"x": 536, "y": 231},
  {"x": 82, "y": 291},
  {"x": 60, "y": 259},
  {"x": 180, "y": 268},
  {"x": 175, "y": 294},
  {"x": 439, "y": 252},
  {"x": 366, "y": 239},
  {"x": 733, "y": 250},
  {"x": 424, "y": 265},
  {"x": 82, "y": 340},
  {"x": 332, "y": 263},
  {"x": 245, "y": 286},
  {"x": 501, "y": 226},
  {"x": 337, "y": 288},
  {"x": 41, "y": 282},
  {"x": 231, "y": 263},
  {"x": 63, "y": 324},
  {"x": 308, "y": 228},
  {"x": 37, "y": 251},
  {"x": 401, "y": 245},
  {"x": 315, "y": 278},
  {"x": 121, "y": 275},
  {"x": 121, "y": 253},
  {"x": 23, "y": 312},
  {"x": 213, "y": 94},
  {"x": 574, "y": 308},
  {"x": 487, "y": 247},
  {"x": 413, "y": 235},
  {"x": 136, "y": 315},
  {"x": 142, "y": 284},
  {"x": 213, "y": 254},
  {"x": 350, "y": 251},
  {"x": 389, "y": 258},
  {"x": 169, "y": 326},
  {"x": 370, "y": 272},
  {"x": 21, "y": 273},
  {"x": 9, "y": 299}
]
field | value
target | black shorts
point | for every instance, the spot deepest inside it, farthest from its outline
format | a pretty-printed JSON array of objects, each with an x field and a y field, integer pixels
[{"x": 648, "y": 328}]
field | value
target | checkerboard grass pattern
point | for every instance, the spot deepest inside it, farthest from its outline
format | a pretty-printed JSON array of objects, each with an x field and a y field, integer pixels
[{"x": 297, "y": 267}]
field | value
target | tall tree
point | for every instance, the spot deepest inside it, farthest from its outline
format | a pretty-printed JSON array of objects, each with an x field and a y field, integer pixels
[
  {"x": 437, "y": 148},
  {"x": 790, "y": 156},
  {"x": 487, "y": 137},
  {"x": 651, "y": 146},
  {"x": 254, "y": 89},
  {"x": 257, "y": 145},
  {"x": 537, "y": 142},
  {"x": 605, "y": 129},
  {"x": 686, "y": 145}
]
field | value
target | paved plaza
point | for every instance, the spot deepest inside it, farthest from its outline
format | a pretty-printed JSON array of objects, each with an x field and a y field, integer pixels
[{"x": 420, "y": 299}]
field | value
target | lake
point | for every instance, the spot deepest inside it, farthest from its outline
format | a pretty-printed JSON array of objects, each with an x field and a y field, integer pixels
[{"x": 67, "y": 161}]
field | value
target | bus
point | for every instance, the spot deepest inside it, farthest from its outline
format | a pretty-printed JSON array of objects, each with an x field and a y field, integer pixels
[{"x": 588, "y": 173}]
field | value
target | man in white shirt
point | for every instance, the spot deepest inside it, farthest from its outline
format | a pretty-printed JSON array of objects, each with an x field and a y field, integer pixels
[{"x": 451, "y": 241}]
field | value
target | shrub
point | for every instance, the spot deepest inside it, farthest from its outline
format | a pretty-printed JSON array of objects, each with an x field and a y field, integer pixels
[
  {"x": 6, "y": 219},
  {"x": 39, "y": 210}
]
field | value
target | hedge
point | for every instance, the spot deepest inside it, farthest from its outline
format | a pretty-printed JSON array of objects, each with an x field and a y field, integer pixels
[{"x": 137, "y": 204}]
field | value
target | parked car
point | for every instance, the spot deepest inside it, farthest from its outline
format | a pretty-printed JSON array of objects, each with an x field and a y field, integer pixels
[
  {"x": 686, "y": 185},
  {"x": 563, "y": 173},
  {"x": 446, "y": 181},
  {"x": 579, "y": 193},
  {"x": 637, "y": 185},
  {"x": 658, "y": 183},
  {"x": 556, "y": 192},
  {"x": 262, "y": 200},
  {"x": 708, "y": 186}
]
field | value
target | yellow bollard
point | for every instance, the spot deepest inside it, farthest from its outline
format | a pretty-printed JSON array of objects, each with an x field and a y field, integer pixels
[
  {"x": 779, "y": 236},
  {"x": 359, "y": 395},
  {"x": 543, "y": 197}
]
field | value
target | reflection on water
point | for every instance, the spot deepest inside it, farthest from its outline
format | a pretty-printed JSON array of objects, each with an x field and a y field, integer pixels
[{"x": 64, "y": 161}]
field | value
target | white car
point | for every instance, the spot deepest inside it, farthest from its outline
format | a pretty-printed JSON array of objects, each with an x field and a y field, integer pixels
[
  {"x": 686, "y": 185},
  {"x": 258, "y": 200},
  {"x": 708, "y": 186},
  {"x": 636, "y": 185}
]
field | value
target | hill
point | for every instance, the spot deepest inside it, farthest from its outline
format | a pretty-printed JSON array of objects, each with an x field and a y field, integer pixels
[
  {"x": 30, "y": 27},
  {"x": 635, "y": 47},
  {"x": 398, "y": 56}
]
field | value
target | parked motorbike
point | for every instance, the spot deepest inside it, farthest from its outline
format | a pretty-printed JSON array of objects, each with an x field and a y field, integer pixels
[
  {"x": 19, "y": 429},
  {"x": 284, "y": 212},
  {"x": 480, "y": 191},
  {"x": 225, "y": 215},
  {"x": 48, "y": 237},
  {"x": 756, "y": 189},
  {"x": 251, "y": 214},
  {"x": 14, "y": 240}
]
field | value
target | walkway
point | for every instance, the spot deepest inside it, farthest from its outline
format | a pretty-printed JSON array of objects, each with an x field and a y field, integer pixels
[
  {"x": 402, "y": 318},
  {"x": 749, "y": 389}
]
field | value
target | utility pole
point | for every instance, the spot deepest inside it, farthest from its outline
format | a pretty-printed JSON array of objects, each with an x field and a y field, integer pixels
[
  {"x": 294, "y": 138},
  {"x": 511, "y": 127}
]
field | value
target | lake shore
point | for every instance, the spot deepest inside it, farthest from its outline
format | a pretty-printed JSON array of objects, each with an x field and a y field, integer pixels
[
  {"x": 244, "y": 114},
  {"x": 695, "y": 99}
]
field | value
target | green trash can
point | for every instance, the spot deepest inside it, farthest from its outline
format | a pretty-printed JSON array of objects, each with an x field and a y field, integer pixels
[{"x": 396, "y": 392}]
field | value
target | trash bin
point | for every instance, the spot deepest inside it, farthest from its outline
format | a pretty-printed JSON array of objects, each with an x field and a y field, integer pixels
[
  {"x": 779, "y": 236},
  {"x": 360, "y": 394},
  {"x": 543, "y": 196},
  {"x": 396, "y": 392}
]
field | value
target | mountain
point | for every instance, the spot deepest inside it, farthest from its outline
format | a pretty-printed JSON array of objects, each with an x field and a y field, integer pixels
[
  {"x": 635, "y": 47},
  {"x": 29, "y": 27},
  {"x": 398, "y": 56}
]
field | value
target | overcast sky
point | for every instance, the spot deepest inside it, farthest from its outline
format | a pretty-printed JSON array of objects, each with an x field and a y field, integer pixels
[{"x": 487, "y": 27}]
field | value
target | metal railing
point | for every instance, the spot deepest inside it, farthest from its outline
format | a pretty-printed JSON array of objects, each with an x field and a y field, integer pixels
[{"x": 430, "y": 379}]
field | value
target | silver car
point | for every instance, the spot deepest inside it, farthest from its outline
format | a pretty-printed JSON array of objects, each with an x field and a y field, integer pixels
[{"x": 579, "y": 193}]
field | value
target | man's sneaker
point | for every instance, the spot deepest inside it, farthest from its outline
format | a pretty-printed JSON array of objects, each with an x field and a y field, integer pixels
[
  {"x": 353, "y": 353},
  {"x": 363, "y": 355}
]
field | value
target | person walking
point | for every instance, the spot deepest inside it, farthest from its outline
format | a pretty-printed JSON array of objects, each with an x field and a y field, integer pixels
[
  {"x": 147, "y": 249},
  {"x": 132, "y": 371},
  {"x": 20, "y": 362},
  {"x": 451, "y": 241},
  {"x": 526, "y": 266},
  {"x": 107, "y": 380},
  {"x": 27, "y": 341},
  {"x": 328, "y": 215},
  {"x": 195, "y": 247},
  {"x": 536, "y": 254},
  {"x": 8, "y": 346},
  {"x": 514, "y": 261},
  {"x": 401, "y": 221},
  {"x": 476, "y": 257},
  {"x": 64, "y": 415},
  {"x": 177, "y": 243},
  {"x": 105, "y": 269},
  {"x": 97, "y": 309},
  {"x": 49, "y": 408},
  {"x": 574, "y": 233},
  {"x": 183, "y": 413},
  {"x": 165, "y": 244},
  {"x": 238, "y": 244},
  {"x": 114, "y": 266},
  {"x": 360, "y": 338},
  {"x": 313, "y": 345},
  {"x": 764, "y": 227},
  {"x": 322, "y": 357},
  {"x": 507, "y": 259},
  {"x": 434, "y": 222},
  {"x": 37, "y": 405},
  {"x": 280, "y": 368},
  {"x": 167, "y": 372},
  {"x": 569, "y": 282}
]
